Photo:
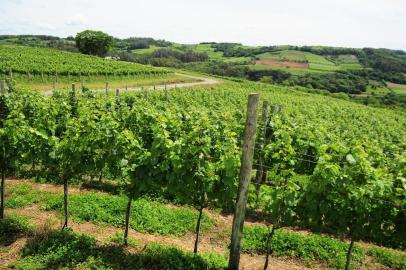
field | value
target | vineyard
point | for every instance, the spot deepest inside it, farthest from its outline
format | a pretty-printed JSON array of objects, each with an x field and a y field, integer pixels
[
  {"x": 320, "y": 164},
  {"x": 42, "y": 61}
]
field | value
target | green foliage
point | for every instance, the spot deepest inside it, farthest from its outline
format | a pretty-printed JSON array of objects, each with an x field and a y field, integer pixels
[
  {"x": 24, "y": 195},
  {"x": 93, "y": 42},
  {"x": 39, "y": 61},
  {"x": 66, "y": 249},
  {"x": 147, "y": 216},
  {"x": 310, "y": 248},
  {"x": 161, "y": 142},
  {"x": 390, "y": 258},
  {"x": 13, "y": 226},
  {"x": 117, "y": 238}
]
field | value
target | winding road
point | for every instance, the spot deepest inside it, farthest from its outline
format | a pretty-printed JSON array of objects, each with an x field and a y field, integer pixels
[{"x": 201, "y": 81}]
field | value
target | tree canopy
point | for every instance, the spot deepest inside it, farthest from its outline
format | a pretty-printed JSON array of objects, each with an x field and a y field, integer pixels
[{"x": 94, "y": 42}]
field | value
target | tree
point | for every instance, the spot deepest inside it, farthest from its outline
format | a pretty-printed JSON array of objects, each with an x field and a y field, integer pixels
[{"x": 94, "y": 42}]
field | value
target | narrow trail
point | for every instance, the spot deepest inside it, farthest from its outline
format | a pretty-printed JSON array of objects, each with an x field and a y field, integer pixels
[{"x": 200, "y": 81}]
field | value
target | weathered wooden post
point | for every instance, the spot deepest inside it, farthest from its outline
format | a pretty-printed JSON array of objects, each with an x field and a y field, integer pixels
[
  {"x": 245, "y": 179},
  {"x": 107, "y": 88}
]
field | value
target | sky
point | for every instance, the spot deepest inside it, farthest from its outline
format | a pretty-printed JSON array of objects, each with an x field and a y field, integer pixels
[{"x": 345, "y": 23}]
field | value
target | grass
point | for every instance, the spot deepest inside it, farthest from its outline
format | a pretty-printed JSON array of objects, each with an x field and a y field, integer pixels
[
  {"x": 13, "y": 226},
  {"x": 322, "y": 249},
  {"x": 399, "y": 89},
  {"x": 388, "y": 257},
  {"x": 146, "y": 216},
  {"x": 285, "y": 55},
  {"x": 213, "y": 55},
  {"x": 65, "y": 249},
  {"x": 149, "y": 50},
  {"x": 100, "y": 208},
  {"x": 22, "y": 195},
  {"x": 308, "y": 248},
  {"x": 68, "y": 250}
]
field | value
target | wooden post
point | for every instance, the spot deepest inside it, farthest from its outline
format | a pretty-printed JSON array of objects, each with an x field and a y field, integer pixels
[
  {"x": 11, "y": 74},
  {"x": 2, "y": 87},
  {"x": 74, "y": 88},
  {"x": 245, "y": 179},
  {"x": 117, "y": 92},
  {"x": 107, "y": 88},
  {"x": 260, "y": 168}
]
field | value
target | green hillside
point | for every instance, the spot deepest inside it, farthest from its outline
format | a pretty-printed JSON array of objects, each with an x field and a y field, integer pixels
[{"x": 23, "y": 59}]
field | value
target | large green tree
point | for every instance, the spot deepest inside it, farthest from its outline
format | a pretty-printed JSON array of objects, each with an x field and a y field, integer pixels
[{"x": 93, "y": 42}]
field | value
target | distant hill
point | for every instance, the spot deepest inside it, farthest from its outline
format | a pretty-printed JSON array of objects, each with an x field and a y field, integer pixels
[{"x": 336, "y": 69}]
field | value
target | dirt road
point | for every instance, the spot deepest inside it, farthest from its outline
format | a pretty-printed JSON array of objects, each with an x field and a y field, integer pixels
[{"x": 200, "y": 81}]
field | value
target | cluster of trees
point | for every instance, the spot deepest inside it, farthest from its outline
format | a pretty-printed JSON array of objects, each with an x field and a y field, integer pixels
[
  {"x": 386, "y": 64},
  {"x": 219, "y": 68},
  {"x": 43, "y": 41},
  {"x": 185, "y": 57},
  {"x": 134, "y": 43},
  {"x": 165, "y": 57},
  {"x": 238, "y": 50},
  {"x": 325, "y": 50},
  {"x": 342, "y": 81},
  {"x": 94, "y": 42}
]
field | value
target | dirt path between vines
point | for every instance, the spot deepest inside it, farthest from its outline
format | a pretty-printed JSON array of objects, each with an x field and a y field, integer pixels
[
  {"x": 200, "y": 81},
  {"x": 215, "y": 240}
]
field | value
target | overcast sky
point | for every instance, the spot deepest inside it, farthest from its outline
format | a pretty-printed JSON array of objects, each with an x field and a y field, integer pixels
[{"x": 349, "y": 23}]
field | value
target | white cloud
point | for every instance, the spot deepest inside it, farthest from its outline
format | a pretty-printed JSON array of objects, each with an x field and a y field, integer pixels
[
  {"x": 77, "y": 20},
  {"x": 357, "y": 23}
]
